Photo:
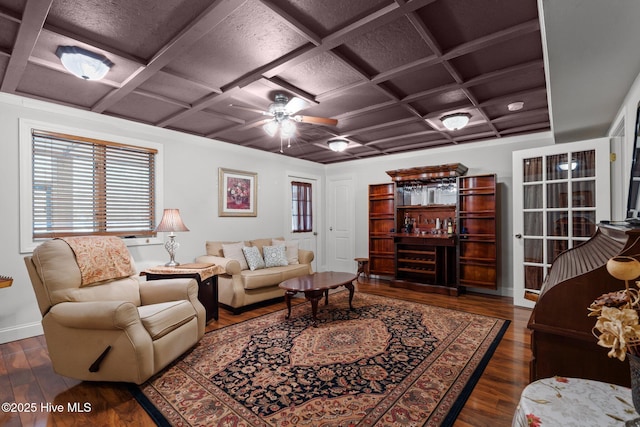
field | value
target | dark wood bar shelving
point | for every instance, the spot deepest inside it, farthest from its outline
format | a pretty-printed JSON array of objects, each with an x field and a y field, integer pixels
[
  {"x": 381, "y": 224},
  {"x": 434, "y": 230},
  {"x": 426, "y": 263},
  {"x": 477, "y": 265}
]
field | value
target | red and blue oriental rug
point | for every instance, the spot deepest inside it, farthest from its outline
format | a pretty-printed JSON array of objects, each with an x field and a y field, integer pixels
[{"x": 388, "y": 362}]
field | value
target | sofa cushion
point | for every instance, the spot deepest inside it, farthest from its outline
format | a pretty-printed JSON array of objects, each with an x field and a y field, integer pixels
[
  {"x": 296, "y": 270},
  {"x": 160, "y": 319},
  {"x": 274, "y": 256},
  {"x": 273, "y": 276},
  {"x": 215, "y": 248},
  {"x": 234, "y": 251},
  {"x": 291, "y": 249},
  {"x": 253, "y": 257},
  {"x": 260, "y": 243}
]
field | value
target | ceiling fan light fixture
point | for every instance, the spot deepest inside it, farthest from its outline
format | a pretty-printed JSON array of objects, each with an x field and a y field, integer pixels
[
  {"x": 83, "y": 63},
  {"x": 287, "y": 128},
  {"x": 338, "y": 144},
  {"x": 271, "y": 127},
  {"x": 455, "y": 121}
]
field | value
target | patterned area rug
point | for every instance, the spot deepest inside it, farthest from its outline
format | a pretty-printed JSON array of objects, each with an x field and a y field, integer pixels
[{"x": 387, "y": 363}]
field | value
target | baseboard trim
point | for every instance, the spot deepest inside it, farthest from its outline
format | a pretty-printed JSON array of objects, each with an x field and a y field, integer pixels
[{"x": 20, "y": 332}]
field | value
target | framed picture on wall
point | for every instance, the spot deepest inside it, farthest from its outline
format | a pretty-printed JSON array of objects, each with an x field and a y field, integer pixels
[{"x": 237, "y": 193}]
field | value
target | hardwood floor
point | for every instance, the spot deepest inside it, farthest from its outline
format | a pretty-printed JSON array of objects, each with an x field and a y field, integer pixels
[{"x": 27, "y": 378}]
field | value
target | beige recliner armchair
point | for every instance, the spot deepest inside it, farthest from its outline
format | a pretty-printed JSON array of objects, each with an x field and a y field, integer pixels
[{"x": 100, "y": 322}]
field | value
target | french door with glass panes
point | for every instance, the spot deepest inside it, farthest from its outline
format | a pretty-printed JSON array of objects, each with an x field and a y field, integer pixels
[{"x": 560, "y": 193}]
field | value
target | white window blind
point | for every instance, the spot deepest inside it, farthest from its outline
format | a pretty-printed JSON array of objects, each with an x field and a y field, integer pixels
[{"x": 86, "y": 186}]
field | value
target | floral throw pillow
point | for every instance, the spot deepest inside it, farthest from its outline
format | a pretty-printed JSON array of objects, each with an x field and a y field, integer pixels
[
  {"x": 291, "y": 249},
  {"x": 253, "y": 257},
  {"x": 275, "y": 256}
]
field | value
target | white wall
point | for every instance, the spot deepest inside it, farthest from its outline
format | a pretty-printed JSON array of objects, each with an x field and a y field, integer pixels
[
  {"x": 622, "y": 165},
  {"x": 480, "y": 158},
  {"x": 190, "y": 184}
]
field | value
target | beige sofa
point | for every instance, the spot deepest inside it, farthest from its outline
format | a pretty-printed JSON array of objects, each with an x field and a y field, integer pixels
[
  {"x": 119, "y": 329},
  {"x": 241, "y": 287}
]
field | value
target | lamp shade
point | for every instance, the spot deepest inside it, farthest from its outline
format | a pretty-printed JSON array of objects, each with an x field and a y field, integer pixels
[
  {"x": 83, "y": 63},
  {"x": 338, "y": 144},
  {"x": 171, "y": 221},
  {"x": 455, "y": 121}
]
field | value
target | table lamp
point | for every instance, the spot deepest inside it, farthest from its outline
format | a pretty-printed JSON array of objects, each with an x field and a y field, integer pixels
[{"x": 171, "y": 222}]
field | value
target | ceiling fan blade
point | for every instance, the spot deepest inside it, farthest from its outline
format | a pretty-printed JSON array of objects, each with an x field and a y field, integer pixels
[
  {"x": 317, "y": 120},
  {"x": 255, "y": 124},
  {"x": 295, "y": 104},
  {"x": 255, "y": 110}
]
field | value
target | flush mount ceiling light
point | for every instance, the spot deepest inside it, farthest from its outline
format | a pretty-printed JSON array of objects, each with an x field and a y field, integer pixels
[
  {"x": 515, "y": 106},
  {"x": 83, "y": 63},
  {"x": 338, "y": 144},
  {"x": 455, "y": 121}
]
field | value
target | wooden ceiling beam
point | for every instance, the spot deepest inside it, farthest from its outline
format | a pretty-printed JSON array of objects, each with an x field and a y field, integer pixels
[
  {"x": 33, "y": 17},
  {"x": 214, "y": 15},
  {"x": 293, "y": 23}
]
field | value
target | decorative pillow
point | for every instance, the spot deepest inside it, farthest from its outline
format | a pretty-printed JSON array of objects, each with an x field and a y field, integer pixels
[
  {"x": 234, "y": 251},
  {"x": 254, "y": 259},
  {"x": 291, "y": 249},
  {"x": 274, "y": 256}
]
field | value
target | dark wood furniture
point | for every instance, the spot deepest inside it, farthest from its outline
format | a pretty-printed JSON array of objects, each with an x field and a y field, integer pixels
[
  {"x": 314, "y": 286},
  {"x": 426, "y": 262},
  {"x": 381, "y": 225},
  {"x": 434, "y": 229},
  {"x": 425, "y": 244},
  {"x": 207, "y": 286},
  {"x": 561, "y": 339},
  {"x": 363, "y": 267},
  {"x": 477, "y": 231}
]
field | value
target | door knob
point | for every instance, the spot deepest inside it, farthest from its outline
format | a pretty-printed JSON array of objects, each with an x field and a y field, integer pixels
[
  {"x": 330, "y": 228},
  {"x": 518, "y": 236}
]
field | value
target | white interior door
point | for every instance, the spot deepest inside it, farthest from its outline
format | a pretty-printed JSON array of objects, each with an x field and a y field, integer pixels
[
  {"x": 306, "y": 240},
  {"x": 340, "y": 224},
  {"x": 560, "y": 194}
]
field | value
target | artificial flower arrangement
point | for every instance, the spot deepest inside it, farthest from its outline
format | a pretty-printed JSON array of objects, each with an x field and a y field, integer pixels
[{"x": 617, "y": 327}]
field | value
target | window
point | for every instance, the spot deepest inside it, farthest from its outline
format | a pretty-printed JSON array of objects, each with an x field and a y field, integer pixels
[
  {"x": 301, "y": 214},
  {"x": 83, "y": 186}
]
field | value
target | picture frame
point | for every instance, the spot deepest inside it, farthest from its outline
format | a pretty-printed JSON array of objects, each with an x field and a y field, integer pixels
[{"x": 237, "y": 193}]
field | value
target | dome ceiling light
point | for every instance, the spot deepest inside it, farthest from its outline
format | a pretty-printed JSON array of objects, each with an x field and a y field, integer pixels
[
  {"x": 338, "y": 144},
  {"x": 515, "y": 106},
  {"x": 83, "y": 63},
  {"x": 455, "y": 121}
]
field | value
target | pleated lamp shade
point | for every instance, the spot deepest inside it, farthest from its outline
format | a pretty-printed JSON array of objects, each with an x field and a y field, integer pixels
[{"x": 171, "y": 221}]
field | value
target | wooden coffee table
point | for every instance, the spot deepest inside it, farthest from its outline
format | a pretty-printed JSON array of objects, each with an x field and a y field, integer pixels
[{"x": 315, "y": 286}]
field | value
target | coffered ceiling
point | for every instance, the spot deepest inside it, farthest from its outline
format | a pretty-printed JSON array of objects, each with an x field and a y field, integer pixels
[{"x": 386, "y": 70}]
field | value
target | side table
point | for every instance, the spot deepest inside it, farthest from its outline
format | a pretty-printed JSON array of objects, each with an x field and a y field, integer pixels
[{"x": 205, "y": 274}]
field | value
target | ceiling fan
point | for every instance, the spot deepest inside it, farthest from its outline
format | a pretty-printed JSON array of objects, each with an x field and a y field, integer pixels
[{"x": 283, "y": 117}]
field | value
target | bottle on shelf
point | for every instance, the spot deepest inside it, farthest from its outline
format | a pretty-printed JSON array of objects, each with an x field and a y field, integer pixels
[{"x": 408, "y": 223}]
